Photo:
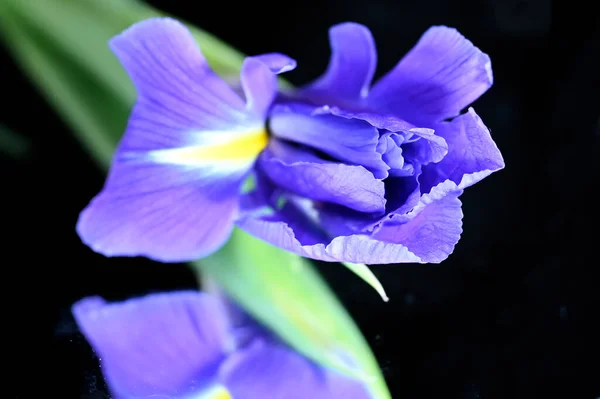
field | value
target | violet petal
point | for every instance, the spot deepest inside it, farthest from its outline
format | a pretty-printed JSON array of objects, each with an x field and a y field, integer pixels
[
  {"x": 351, "y": 141},
  {"x": 270, "y": 370},
  {"x": 472, "y": 153},
  {"x": 259, "y": 80},
  {"x": 172, "y": 191},
  {"x": 439, "y": 77},
  {"x": 304, "y": 174},
  {"x": 161, "y": 344},
  {"x": 294, "y": 232},
  {"x": 431, "y": 230},
  {"x": 351, "y": 67}
]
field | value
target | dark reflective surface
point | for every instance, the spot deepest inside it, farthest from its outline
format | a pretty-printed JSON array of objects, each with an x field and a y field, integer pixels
[{"x": 510, "y": 314}]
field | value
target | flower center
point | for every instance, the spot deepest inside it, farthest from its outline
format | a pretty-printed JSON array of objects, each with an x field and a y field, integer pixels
[{"x": 391, "y": 146}]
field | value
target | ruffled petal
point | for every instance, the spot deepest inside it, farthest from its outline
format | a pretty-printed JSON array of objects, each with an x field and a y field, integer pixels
[
  {"x": 375, "y": 119},
  {"x": 304, "y": 174},
  {"x": 291, "y": 229},
  {"x": 351, "y": 141},
  {"x": 472, "y": 153},
  {"x": 295, "y": 214},
  {"x": 422, "y": 229},
  {"x": 402, "y": 196},
  {"x": 405, "y": 152},
  {"x": 352, "y": 65},
  {"x": 439, "y": 77},
  {"x": 430, "y": 148},
  {"x": 270, "y": 370},
  {"x": 159, "y": 345},
  {"x": 173, "y": 190},
  {"x": 431, "y": 229}
]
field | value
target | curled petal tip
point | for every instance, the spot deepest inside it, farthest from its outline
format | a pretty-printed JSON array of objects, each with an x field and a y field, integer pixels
[{"x": 276, "y": 62}]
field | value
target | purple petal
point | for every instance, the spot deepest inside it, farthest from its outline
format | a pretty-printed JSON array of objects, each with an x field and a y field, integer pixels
[
  {"x": 375, "y": 119},
  {"x": 259, "y": 81},
  {"x": 472, "y": 155},
  {"x": 169, "y": 213},
  {"x": 429, "y": 226},
  {"x": 402, "y": 196},
  {"x": 173, "y": 190},
  {"x": 350, "y": 141},
  {"x": 294, "y": 231},
  {"x": 270, "y": 370},
  {"x": 430, "y": 148},
  {"x": 295, "y": 214},
  {"x": 305, "y": 174},
  {"x": 439, "y": 77},
  {"x": 422, "y": 229},
  {"x": 352, "y": 65},
  {"x": 259, "y": 85},
  {"x": 406, "y": 151},
  {"x": 276, "y": 62},
  {"x": 390, "y": 148},
  {"x": 170, "y": 73},
  {"x": 162, "y": 344},
  {"x": 431, "y": 230}
]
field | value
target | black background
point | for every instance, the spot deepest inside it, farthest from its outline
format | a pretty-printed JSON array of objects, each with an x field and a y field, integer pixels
[{"x": 511, "y": 314}]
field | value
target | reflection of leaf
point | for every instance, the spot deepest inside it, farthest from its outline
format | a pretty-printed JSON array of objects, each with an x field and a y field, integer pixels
[
  {"x": 13, "y": 144},
  {"x": 290, "y": 296},
  {"x": 63, "y": 47}
]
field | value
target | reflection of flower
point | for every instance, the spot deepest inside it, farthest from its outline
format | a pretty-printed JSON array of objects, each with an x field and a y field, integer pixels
[
  {"x": 190, "y": 344},
  {"x": 350, "y": 173}
]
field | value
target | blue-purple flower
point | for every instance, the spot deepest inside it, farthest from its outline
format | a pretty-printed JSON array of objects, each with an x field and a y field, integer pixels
[
  {"x": 343, "y": 171},
  {"x": 188, "y": 344}
]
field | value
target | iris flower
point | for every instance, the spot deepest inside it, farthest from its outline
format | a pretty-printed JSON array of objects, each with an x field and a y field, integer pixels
[
  {"x": 342, "y": 170},
  {"x": 191, "y": 345}
]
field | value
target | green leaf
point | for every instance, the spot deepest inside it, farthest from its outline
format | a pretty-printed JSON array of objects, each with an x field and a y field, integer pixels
[
  {"x": 63, "y": 48},
  {"x": 363, "y": 271}
]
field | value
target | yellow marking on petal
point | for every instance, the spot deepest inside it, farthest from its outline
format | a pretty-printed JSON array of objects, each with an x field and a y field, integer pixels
[
  {"x": 246, "y": 146},
  {"x": 222, "y": 394},
  {"x": 218, "y": 392}
]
